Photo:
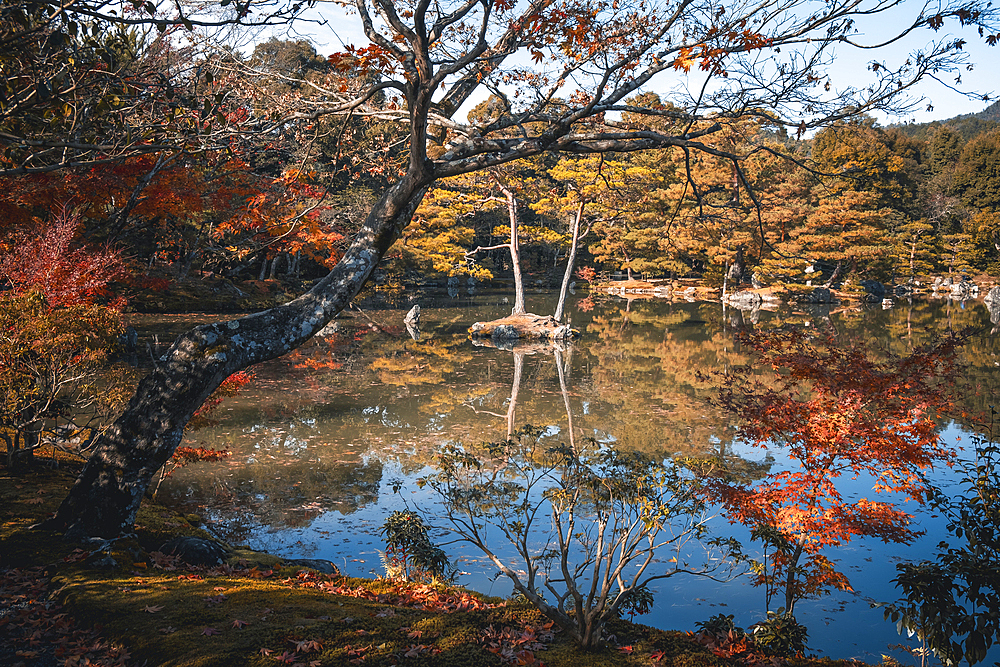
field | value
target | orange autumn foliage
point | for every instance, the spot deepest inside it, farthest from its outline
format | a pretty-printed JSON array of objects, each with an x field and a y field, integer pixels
[{"x": 839, "y": 413}]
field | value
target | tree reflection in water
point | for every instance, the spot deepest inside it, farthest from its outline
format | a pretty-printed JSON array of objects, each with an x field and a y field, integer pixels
[{"x": 317, "y": 440}]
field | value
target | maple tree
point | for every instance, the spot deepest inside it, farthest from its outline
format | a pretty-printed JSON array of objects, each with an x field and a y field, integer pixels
[
  {"x": 423, "y": 63},
  {"x": 837, "y": 412},
  {"x": 56, "y": 339}
]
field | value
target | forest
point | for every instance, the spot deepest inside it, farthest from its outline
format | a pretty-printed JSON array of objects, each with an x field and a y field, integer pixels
[
  {"x": 848, "y": 202},
  {"x": 177, "y": 156}
]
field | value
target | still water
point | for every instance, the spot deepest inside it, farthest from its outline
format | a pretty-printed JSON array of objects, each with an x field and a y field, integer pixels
[{"x": 321, "y": 437}]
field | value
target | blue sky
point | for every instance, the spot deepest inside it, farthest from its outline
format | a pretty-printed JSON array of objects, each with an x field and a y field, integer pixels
[{"x": 850, "y": 66}]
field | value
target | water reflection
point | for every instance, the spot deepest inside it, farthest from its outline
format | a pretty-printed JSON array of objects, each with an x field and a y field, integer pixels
[{"x": 321, "y": 435}]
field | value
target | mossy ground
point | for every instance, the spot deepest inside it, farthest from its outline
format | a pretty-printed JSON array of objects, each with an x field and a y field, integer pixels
[{"x": 254, "y": 612}]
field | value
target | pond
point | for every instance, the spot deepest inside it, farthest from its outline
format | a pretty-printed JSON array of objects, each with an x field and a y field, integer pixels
[{"x": 322, "y": 436}]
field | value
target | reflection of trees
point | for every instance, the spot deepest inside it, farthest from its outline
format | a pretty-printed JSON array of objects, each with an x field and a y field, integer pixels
[
  {"x": 511, "y": 415},
  {"x": 275, "y": 486},
  {"x": 632, "y": 380},
  {"x": 922, "y": 322},
  {"x": 649, "y": 374},
  {"x": 406, "y": 362}
]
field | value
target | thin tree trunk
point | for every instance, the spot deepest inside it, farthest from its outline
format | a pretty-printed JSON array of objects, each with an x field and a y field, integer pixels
[
  {"x": 569, "y": 263},
  {"x": 833, "y": 278},
  {"x": 105, "y": 498},
  {"x": 565, "y": 396},
  {"x": 515, "y": 251},
  {"x": 790, "y": 580}
]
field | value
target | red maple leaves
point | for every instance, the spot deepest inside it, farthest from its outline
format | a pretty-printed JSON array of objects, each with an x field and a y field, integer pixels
[
  {"x": 838, "y": 412},
  {"x": 48, "y": 258},
  {"x": 417, "y": 596}
]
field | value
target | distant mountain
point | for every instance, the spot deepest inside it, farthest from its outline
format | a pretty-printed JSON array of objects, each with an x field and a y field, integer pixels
[
  {"x": 992, "y": 112},
  {"x": 967, "y": 125}
]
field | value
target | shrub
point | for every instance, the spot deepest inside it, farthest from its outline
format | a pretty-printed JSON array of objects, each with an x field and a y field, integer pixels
[
  {"x": 409, "y": 552},
  {"x": 953, "y": 604},
  {"x": 780, "y": 634},
  {"x": 585, "y": 523}
]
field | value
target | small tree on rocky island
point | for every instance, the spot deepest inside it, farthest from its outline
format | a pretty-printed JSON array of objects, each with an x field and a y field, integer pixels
[
  {"x": 837, "y": 412},
  {"x": 580, "y": 532}
]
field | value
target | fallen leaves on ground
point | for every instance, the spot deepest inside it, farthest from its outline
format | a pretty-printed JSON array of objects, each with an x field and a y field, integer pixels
[
  {"x": 34, "y": 628},
  {"x": 416, "y": 596},
  {"x": 518, "y": 646}
]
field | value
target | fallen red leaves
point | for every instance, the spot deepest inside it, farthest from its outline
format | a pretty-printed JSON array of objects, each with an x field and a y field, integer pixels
[
  {"x": 732, "y": 645},
  {"x": 32, "y": 627},
  {"x": 417, "y": 596},
  {"x": 518, "y": 646}
]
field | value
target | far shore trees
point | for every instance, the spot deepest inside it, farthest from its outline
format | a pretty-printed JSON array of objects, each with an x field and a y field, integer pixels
[{"x": 564, "y": 73}]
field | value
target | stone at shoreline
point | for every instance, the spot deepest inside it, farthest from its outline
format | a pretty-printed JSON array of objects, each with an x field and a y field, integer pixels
[
  {"x": 527, "y": 327},
  {"x": 202, "y": 551},
  {"x": 751, "y": 300},
  {"x": 819, "y": 295},
  {"x": 688, "y": 290},
  {"x": 197, "y": 550},
  {"x": 964, "y": 289},
  {"x": 874, "y": 291},
  {"x": 746, "y": 300},
  {"x": 318, "y": 564}
]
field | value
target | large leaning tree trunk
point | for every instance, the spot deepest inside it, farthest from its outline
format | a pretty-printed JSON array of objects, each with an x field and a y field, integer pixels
[
  {"x": 105, "y": 498},
  {"x": 762, "y": 61}
]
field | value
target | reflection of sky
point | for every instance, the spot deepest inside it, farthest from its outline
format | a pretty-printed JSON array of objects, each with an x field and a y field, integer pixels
[
  {"x": 841, "y": 625},
  {"x": 356, "y": 421},
  {"x": 353, "y": 543}
]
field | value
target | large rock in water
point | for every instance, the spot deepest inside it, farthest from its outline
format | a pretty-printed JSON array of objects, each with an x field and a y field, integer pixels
[
  {"x": 992, "y": 301},
  {"x": 413, "y": 317},
  {"x": 874, "y": 291},
  {"x": 992, "y": 298}
]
